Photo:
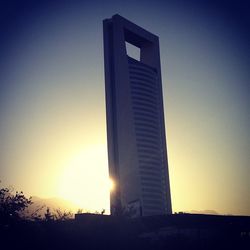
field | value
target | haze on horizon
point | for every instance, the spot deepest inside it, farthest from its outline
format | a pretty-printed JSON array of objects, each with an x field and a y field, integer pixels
[{"x": 52, "y": 101}]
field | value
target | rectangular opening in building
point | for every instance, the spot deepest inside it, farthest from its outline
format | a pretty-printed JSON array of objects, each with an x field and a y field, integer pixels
[{"x": 133, "y": 51}]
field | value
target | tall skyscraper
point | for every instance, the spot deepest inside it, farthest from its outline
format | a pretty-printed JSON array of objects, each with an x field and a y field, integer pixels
[{"x": 135, "y": 120}]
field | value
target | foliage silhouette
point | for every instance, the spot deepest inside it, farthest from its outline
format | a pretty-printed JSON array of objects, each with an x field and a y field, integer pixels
[
  {"x": 12, "y": 205},
  {"x": 58, "y": 215}
]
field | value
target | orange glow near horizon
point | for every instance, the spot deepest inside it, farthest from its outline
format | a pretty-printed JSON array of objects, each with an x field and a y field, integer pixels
[{"x": 84, "y": 180}]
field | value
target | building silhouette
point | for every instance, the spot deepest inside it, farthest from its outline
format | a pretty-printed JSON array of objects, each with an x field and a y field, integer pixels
[{"x": 135, "y": 120}]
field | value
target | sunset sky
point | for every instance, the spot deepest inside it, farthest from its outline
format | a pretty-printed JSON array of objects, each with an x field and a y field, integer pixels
[{"x": 52, "y": 100}]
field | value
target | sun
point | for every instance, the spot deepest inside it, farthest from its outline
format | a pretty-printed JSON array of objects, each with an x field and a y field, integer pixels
[
  {"x": 111, "y": 185},
  {"x": 84, "y": 180}
]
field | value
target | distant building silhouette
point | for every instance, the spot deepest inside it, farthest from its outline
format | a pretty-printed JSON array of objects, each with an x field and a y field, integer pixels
[{"x": 135, "y": 120}]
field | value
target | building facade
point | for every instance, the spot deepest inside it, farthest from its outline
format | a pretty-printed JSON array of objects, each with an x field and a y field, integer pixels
[{"x": 135, "y": 120}]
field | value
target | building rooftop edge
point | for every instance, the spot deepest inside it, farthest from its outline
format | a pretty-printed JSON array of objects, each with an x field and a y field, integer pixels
[{"x": 128, "y": 22}]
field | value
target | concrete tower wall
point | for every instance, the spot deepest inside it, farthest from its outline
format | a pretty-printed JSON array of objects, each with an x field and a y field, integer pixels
[{"x": 135, "y": 120}]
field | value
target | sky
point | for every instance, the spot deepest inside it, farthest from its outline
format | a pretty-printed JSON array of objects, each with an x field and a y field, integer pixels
[{"x": 52, "y": 99}]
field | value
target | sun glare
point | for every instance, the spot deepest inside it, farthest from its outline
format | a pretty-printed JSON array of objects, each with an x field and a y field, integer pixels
[
  {"x": 111, "y": 185},
  {"x": 85, "y": 180}
]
